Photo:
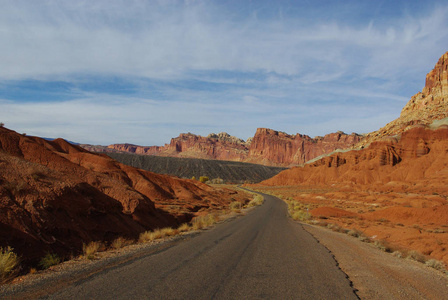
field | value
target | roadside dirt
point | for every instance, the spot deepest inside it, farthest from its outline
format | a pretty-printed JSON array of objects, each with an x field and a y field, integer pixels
[{"x": 380, "y": 275}]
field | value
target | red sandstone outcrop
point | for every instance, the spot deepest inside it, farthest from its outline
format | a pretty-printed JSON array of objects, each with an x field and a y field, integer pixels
[
  {"x": 420, "y": 154},
  {"x": 273, "y": 147},
  {"x": 424, "y": 107},
  {"x": 268, "y": 147},
  {"x": 55, "y": 196}
]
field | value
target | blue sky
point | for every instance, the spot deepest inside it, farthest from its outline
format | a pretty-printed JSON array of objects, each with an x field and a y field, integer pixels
[{"x": 142, "y": 72}]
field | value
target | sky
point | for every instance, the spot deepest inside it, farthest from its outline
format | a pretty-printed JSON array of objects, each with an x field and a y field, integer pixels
[{"x": 142, "y": 72}]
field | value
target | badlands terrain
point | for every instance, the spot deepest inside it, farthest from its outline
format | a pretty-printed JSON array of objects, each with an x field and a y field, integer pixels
[
  {"x": 388, "y": 188},
  {"x": 392, "y": 190}
]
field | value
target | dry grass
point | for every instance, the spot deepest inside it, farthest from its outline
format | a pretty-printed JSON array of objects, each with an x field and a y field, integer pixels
[
  {"x": 204, "y": 221},
  {"x": 9, "y": 263},
  {"x": 49, "y": 260},
  {"x": 120, "y": 242},
  {"x": 184, "y": 227},
  {"x": 257, "y": 200},
  {"x": 298, "y": 211},
  {"x": 436, "y": 264},
  {"x": 91, "y": 249},
  {"x": 235, "y": 206},
  {"x": 168, "y": 231}
]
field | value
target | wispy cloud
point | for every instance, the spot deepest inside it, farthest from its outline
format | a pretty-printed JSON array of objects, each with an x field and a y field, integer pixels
[{"x": 144, "y": 71}]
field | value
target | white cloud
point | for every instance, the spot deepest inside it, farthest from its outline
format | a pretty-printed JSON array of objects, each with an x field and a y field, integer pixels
[{"x": 197, "y": 69}]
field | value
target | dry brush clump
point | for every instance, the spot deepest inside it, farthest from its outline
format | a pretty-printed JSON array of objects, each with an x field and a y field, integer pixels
[
  {"x": 298, "y": 211},
  {"x": 184, "y": 227},
  {"x": 49, "y": 260},
  {"x": 120, "y": 242},
  {"x": 91, "y": 249},
  {"x": 9, "y": 264},
  {"x": 204, "y": 221},
  {"x": 235, "y": 206},
  {"x": 257, "y": 200}
]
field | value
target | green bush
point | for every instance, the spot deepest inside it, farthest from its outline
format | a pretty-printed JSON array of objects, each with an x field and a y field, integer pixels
[{"x": 49, "y": 260}]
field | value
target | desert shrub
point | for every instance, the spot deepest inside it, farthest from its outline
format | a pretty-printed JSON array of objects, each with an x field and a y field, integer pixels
[
  {"x": 9, "y": 263},
  {"x": 384, "y": 246},
  {"x": 203, "y": 179},
  {"x": 235, "y": 206},
  {"x": 168, "y": 231},
  {"x": 203, "y": 221},
  {"x": 50, "y": 259},
  {"x": 301, "y": 215},
  {"x": 414, "y": 255},
  {"x": 354, "y": 232},
  {"x": 2, "y": 124},
  {"x": 120, "y": 242},
  {"x": 184, "y": 227},
  {"x": 193, "y": 178},
  {"x": 257, "y": 200},
  {"x": 436, "y": 264},
  {"x": 91, "y": 249}
]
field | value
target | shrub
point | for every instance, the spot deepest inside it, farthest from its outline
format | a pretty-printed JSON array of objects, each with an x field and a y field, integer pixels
[
  {"x": 184, "y": 227},
  {"x": 49, "y": 260},
  {"x": 120, "y": 242},
  {"x": 168, "y": 231},
  {"x": 301, "y": 215},
  {"x": 2, "y": 124},
  {"x": 257, "y": 200},
  {"x": 203, "y": 179},
  {"x": 91, "y": 249},
  {"x": 203, "y": 221},
  {"x": 235, "y": 206},
  {"x": 193, "y": 178},
  {"x": 9, "y": 262},
  {"x": 438, "y": 265},
  {"x": 414, "y": 255}
]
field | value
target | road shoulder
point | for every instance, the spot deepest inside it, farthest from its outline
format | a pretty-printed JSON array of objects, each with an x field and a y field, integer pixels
[{"x": 379, "y": 275}]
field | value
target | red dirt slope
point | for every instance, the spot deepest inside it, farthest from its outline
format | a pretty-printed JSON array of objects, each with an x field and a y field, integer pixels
[{"x": 54, "y": 196}]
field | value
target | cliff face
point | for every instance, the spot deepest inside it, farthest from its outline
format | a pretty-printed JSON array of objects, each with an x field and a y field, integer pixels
[
  {"x": 268, "y": 147},
  {"x": 55, "y": 196},
  {"x": 420, "y": 154},
  {"x": 423, "y": 108}
]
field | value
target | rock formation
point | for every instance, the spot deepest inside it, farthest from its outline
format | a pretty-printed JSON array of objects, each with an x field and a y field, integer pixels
[
  {"x": 423, "y": 108},
  {"x": 267, "y": 147},
  {"x": 273, "y": 147},
  {"x": 55, "y": 196}
]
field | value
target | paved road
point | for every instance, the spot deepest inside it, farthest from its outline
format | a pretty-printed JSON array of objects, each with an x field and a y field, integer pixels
[{"x": 263, "y": 255}]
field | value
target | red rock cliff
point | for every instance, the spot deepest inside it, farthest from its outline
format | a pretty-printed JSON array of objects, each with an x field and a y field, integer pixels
[
  {"x": 424, "y": 107},
  {"x": 268, "y": 147},
  {"x": 273, "y": 147}
]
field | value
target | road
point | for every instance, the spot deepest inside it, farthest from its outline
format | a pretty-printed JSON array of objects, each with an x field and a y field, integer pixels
[{"x": 263, "y": 255}]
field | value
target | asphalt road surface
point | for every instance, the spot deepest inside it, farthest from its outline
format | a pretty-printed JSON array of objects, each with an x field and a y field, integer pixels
[{"x": 263, "y": 255}]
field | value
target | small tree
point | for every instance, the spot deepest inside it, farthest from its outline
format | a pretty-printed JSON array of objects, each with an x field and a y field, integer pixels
[
  {"x": 203, "y": 179},
  {"x": 2, "y": 124},
  {"x": 193, "y": 178}
]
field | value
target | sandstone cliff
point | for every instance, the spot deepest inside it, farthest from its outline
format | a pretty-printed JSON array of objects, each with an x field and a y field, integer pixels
[
  {"x": 267, "y": 147},
  {"x": 423, "y": 108},
  {"x": 273, "y": 147},
  {"x": 419, "y": 155}
]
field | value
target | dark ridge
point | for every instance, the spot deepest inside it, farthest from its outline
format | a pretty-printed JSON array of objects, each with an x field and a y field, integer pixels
[{"x": 229, "y": 171}]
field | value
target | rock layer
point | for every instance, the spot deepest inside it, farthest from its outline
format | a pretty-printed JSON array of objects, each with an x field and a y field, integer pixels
[
  {"x": 424, "y": 107},
  {"x": 55, "y": 196},
  {"x": 267, "y": 147}
]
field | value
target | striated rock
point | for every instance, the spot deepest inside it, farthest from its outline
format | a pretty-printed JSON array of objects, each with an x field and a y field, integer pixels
[
  {"x": 267, "y": 147},
  {"x": 273, "y": 147},
  {"x": 55, "y": 196},
  {"x": 420, "y": 154},
  {"x": 424, "y": 107}
]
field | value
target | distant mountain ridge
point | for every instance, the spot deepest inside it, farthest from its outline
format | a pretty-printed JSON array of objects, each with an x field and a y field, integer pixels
[{"x": 267, "y": 147}]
